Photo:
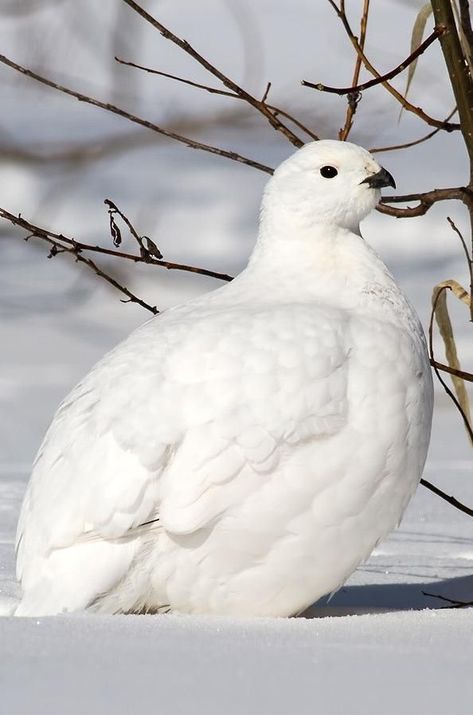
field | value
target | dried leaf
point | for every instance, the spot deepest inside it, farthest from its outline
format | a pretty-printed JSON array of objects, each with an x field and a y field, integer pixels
[
  {"x": 439, "y": 301},
  {"x": 115, "y": 231},
  {"x": 152, "y": 248},
  {"x": 416, "y": 40}
]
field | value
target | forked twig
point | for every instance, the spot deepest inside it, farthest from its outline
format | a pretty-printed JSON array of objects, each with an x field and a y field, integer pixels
[
  {"x": 354, "y": 97},
  {"x": 382, "y": 78},
  {"x": 65, "y": 244},
  {"x": 223, "y": 93},
  {"x": 425, "y": 201},
  {"x": 258, "y": 104},
  {"x": 447, "y": 126}
]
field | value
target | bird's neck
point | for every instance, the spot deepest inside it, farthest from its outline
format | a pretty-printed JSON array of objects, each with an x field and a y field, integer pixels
[{"x": 316, "y": 262}]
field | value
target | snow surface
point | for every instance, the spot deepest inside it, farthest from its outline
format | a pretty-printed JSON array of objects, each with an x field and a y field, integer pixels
[
  {"x": 380, "y": 645},
  {"x": 419, "y": 662}
]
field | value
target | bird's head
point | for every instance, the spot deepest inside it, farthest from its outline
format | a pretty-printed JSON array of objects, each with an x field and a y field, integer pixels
[{"x": 327, "y": 182}]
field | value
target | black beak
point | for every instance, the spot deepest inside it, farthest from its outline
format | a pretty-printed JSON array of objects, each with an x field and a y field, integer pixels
[{"x": 379, "y": 180}]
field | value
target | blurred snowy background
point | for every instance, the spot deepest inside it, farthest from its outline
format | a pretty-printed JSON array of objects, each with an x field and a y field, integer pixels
[{"x": 61, "y": 159}]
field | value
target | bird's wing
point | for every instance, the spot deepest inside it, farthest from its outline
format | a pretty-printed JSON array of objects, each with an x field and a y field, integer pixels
[
  {"x": 164, "y": 425},
  {"x": 253, "y": 385}
]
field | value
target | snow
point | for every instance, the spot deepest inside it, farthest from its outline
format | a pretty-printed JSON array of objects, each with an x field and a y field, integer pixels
[
  {"x": 415, "y": 662},
  {"x": 378, "y": 646}
]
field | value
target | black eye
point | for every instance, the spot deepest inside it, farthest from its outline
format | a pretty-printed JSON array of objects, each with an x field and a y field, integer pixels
[{"x": 328, "y": 172}]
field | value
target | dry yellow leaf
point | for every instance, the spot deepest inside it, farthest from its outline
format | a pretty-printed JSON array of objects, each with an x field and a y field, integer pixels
[{"x": 439, "y": 303}]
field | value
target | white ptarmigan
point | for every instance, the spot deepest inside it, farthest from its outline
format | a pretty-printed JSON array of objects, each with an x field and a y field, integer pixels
[{"x": 242, "y": 453}]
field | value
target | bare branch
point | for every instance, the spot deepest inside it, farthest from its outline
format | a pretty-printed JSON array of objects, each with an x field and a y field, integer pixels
[
  {"x": 468, "y": 376},
  {"x": 258, "y": 104},
  {"x": 78, "y": 257},
  {"x": 458, "y": 70},
  {"x": 78, "y": 247},
  {"x": 191, "y": 83},
  {"x": 223, "y": 93},
  {"x": 468, "y": 257},
  {"x": 407, "y": 145},
  {"x": 438, "y": 30},
  {"x": 451, "y": 500},
  {"x": 74, "y": 154},
  {"x": 354, "y": 97},
  {"x": 192, "y": 143},
  {"x": 397, "y": 95},
  {"x": 426, "y": 200},
  {"x": 265, "y": 95}
]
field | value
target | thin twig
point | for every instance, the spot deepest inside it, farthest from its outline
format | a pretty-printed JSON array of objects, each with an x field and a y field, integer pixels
[
  {"x": 354, "y": 97},
  {"x": 137, "y": 120},
  {"x": 79, "y": 247},
  {"x": 176, "y": 78},
  {"x": 451, "y": 500},
  {"x": 223, "y": 93},
  {"x": 76, "y": 252},
  {"x": 259, "y": 105},
  {"x": 468, "y": 376},
  {"x": 468, "y": 260},
  {"x": 439, "y": 30},
  {"x": 407, "y": 145},
  {"x": 265, "y": 95},
  {"x": 426, "y": 201},
  {"x": 397, "y": 95},
  {"x": 455, "y": 228}
]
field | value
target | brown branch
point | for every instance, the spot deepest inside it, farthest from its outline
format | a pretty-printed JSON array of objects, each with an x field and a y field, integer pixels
[
  {"x": 222, "y": 93},
  {"x": 79, "y": 247},
  {"x": 192, "y": 143},
  {"x": 176, "y": 78},
  {"x": 451, "y": 500},
  {"x": 354, "y": 97},
  {"x": 468, "y": 376},
  {"x": 75, "y": 154},
  {"x": 258, "y": 104},
  {"x": 458, "y": 70},
  {"x": 438, "y": 30},
  {"x": 458, "y": 64},
  {"x": 265, "y": 95},
  {"x": 426, "y": 201},
  {"x": 58, "y": 247},
  {"x": 407, "y": 145},
  {"x": 397, "y": 95}
]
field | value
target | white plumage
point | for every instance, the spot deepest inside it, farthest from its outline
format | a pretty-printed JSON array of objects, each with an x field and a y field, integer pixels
[{"x": 242, "y": 453}]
